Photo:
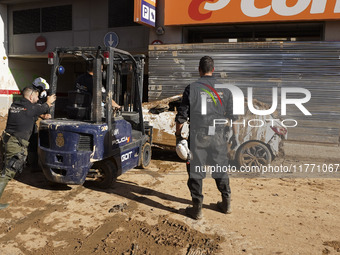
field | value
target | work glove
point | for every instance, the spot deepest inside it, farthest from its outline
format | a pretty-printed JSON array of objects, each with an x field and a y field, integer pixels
[
  {"x": 182, "y": 150},
  {"x": 233, "y": 140}
]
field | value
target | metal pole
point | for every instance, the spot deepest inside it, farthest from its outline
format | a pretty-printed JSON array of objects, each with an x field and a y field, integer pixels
[
  {"x": 54, "y": 80},
  {"x": 97, "y": 90},
  {"x": 109, "y": 90}
]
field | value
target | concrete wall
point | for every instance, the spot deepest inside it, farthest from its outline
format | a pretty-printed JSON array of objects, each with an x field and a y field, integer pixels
[
  {"x": 6, "y": 79},
  {"x": 172, "y": 34},
  {"x": 90, "y": 24},
  {"x": 332, "y": 31},
  {"x": 24, "y": 70}
]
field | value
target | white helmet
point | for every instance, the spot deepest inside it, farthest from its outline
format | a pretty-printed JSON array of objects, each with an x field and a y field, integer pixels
[
  {"x": 182, "y": 150},
  {"x": 41, "y": 83}
]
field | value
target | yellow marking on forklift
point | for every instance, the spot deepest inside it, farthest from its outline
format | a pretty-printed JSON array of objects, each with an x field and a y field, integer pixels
[{"x": 59, "y": 141}]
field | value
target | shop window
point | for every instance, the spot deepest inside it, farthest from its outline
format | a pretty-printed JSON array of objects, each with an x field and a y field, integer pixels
[
  {"x": 26, "y": 21},
  {"x": 57, "y": 18},
  {"x": 49, "y": 19},
  {"x": 121, "y": 13}
]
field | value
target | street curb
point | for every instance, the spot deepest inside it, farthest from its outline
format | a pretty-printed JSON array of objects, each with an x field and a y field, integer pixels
[{"x": 312, "y": 151}]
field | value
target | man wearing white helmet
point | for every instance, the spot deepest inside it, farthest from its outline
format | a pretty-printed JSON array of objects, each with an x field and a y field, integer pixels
[
  {"x": 41, "y": 85},
  {"x": 20, "y": 123}
]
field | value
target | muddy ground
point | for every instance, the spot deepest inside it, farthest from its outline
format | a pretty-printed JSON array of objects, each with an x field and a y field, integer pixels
[{"x": 144, "y": 214}]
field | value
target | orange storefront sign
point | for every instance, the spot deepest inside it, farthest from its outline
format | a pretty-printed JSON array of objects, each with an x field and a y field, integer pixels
[{"x": 186, "y": 12}]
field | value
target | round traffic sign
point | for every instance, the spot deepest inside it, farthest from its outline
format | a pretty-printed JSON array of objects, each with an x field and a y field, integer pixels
[
  {"x": 111, "y": 39},
  {"x": 156, "y": 42},
  {"x": 40, "y": 44}
]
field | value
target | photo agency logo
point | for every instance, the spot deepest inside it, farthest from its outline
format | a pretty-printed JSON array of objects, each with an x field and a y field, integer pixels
[
  {"x": 239, "y": 103},
  {"x": 212, "y": 95}
]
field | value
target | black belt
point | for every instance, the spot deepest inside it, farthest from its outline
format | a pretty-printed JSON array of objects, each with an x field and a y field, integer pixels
[{"x": 6, "y": 136}]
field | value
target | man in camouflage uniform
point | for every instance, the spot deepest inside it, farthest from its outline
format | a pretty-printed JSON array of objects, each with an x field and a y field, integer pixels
[{"x": 21, "y": 118}]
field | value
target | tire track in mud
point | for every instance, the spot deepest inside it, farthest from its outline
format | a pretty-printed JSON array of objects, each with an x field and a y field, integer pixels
[
  {"x": 35, "y": 218},
  {"x": 121, "y": 234},
  {"x": 234, "y": 242}
]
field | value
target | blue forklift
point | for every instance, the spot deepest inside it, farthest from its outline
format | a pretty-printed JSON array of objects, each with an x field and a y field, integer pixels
[{"x": 94, "y": 142}]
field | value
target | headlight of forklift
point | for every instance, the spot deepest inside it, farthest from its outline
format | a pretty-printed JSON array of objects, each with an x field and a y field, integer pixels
[
  {"x": 50, "y": 58},
  {"x": 106, "y": 55}
]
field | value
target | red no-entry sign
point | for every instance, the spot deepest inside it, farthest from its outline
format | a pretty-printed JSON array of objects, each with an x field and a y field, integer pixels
[{"x": 41, "y": 44}]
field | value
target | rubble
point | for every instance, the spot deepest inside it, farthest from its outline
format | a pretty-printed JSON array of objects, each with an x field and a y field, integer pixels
[{"x": 161, "y": 115}]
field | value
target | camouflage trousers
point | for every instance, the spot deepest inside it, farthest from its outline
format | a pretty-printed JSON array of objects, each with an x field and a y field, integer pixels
[{"x": 11, "y": 147}]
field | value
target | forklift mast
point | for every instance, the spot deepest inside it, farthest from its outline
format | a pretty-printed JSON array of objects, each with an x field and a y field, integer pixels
[{"x": 114, "y": 60}]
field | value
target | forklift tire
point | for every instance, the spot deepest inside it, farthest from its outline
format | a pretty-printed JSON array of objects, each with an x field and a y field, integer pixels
[
  {"x": 146, "y": 155},
  {"x": 107, "y": 174}
]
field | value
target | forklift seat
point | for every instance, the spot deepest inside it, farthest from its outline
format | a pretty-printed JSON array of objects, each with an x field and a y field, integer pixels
[
  {"x": 131, "y": 116},
  {"x": 79, "y": 105}
]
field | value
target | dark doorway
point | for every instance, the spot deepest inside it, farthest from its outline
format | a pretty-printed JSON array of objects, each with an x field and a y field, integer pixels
[{"x": 255, "y": 33}]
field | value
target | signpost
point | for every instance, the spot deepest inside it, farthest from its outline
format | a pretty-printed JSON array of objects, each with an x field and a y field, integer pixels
[{"x": 111, "y": 39}]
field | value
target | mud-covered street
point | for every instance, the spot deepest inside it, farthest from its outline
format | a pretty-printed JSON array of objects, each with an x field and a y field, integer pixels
[{"x": 144, "y": 214}]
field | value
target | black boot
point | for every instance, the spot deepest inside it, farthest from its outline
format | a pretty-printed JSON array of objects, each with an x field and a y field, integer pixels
[
  {"x": 195, "y": 211},
  {"x": 3, "y": 183},
  {"x": 224, "y": 206}
]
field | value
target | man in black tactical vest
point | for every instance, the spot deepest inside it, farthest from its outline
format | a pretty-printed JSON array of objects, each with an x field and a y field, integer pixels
[{"x": 20, "y": 122}]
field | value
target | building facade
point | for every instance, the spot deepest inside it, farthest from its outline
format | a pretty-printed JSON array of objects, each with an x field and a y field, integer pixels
[{"x": 29, "y": 29}]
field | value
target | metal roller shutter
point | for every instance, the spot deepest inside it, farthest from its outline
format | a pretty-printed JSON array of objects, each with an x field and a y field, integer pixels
[{"x": 311, "y": 65}]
